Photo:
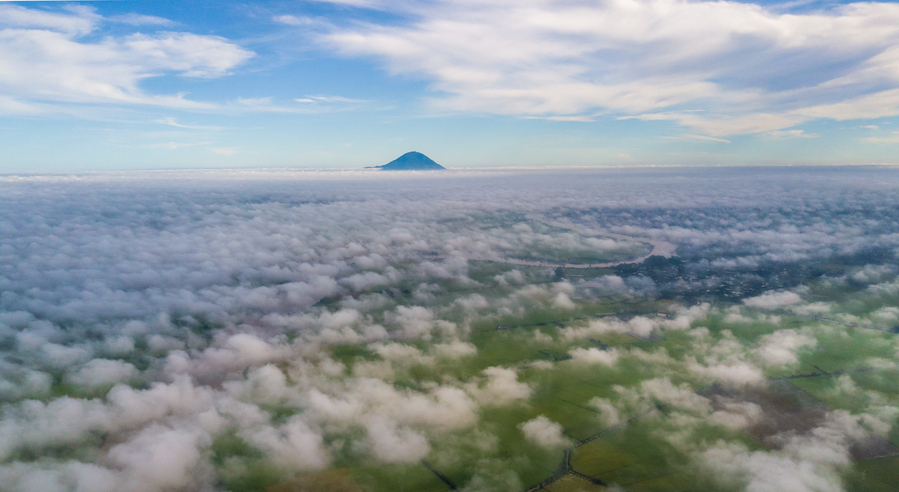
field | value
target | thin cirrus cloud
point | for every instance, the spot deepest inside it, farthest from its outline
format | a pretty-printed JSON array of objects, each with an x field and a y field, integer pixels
[
  {"x": 752, "y": 69},
  {"x": 141, "y": 20},
  {"x": 45, "y": 64},
  {"x": 174, "y": 122}
]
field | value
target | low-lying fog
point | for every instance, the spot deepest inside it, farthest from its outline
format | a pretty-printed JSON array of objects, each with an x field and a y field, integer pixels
[{"x": 184, "y": 330}]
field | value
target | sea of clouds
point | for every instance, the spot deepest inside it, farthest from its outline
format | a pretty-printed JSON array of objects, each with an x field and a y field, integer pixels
[{"x": 143, "y": 315}]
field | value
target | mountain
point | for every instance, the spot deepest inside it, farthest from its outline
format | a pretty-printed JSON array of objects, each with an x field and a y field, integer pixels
[{"x": 411, "y": 161}]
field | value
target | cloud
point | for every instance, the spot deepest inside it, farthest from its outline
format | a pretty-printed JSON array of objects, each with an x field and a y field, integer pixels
[
  {"x": 595, "y": 356},
  {"x": 158, "y": 458},
  {"x": 652, "y": 392},
  {"x": 328, "y": 99},
  {"x": 419, "y": 322},
  {"x": 293, "y": 445},
  {"x": 80, "y": 20},
  {"x": 173, "y": 122},
  {"x": 638, "y": 325},
  {"x": 176, "y": 145},
  {"x": 706, "y": 138},
  {"x": 109, "y": 71},
  {"x": 891, "y": 139},
  {"x": 103, "y": 372},
  {"x": 780, "y": 348},
  {"x": 141, "y": 20},
  {"x": 395, "y": 444},
  {"x": 501, "y": 387},
  {"x": 791, "y": 134},
  {"x": 608, "y": 414},
  {"x": 454, "y": 350},
  {"x": 812, "y": 462},
  {"x": 230, "y": 307},
  {"x": 772, "y": 300},
  {"x": 736, "y": 373},
  {"x": 750, "y": 68},
  {"x": 544, "y": 432},
  {"x": 301, "y": 21}
]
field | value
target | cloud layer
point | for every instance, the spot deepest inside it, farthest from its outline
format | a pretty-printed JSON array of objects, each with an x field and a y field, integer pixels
[{"x": 183, "y": 330}]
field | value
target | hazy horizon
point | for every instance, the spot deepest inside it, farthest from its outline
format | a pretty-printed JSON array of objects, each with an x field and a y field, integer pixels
[{"x": 355, "y": 83}]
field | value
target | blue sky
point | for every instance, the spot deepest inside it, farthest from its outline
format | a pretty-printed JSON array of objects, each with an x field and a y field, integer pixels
[{"x": 353, "y": 83}]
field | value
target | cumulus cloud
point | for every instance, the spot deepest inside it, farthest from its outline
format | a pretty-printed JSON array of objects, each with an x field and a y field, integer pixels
[
  {"x": 725, "y": 362},
  {"x": 189, "y": 310},
  {"x": 500, "y": 387},
  {"x": 395, "y": 444},
  {"x": 772, "y": 300},
  {"x": 158, "y": 458},
  {"x": 544, "y": 432},
  {"x": 813, "y": 462},
  {"x": 595, "y": 356},
  {"x": 293, "y": 445},
  {"x": 103, "y": 372},
  {"x": 780, "y": 348},
  {"x": 639, "y": 326},
  {"x": 608, "y": 414}
]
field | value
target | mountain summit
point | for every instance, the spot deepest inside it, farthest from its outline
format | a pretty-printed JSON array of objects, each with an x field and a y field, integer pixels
[{"x": 411, "y": 161}]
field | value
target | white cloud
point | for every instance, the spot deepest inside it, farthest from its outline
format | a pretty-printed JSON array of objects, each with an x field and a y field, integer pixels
[
  {"x": 102, "y": 372},
  {"x": 751, "y": 68},
  {"x": 808, "y": 463},
  {"x": 704, "y": 137},
  {"x": 173, "y": 122},
  {"x": 294, "y": 445},
  {"x": 43, "y": 60},
  {"x": 891, "y": 139},
  {"x": 328, "y": 99},
  {"x": 175, "y": 145},
  {"x": 772, "y": 300},
  {"x": 544, "y": 432},
  {"x": 791, "y": 134},
  {"x": 141, "y": 20},
  {"x": 780, "y": 348},
  {"x": 595, "y": 356},
  {"x": 395, "y": 444},
  {"x": 230, "y": 296},
  {"x": 501, "y": 387},
  {"x": 159, "y": 458},
  {"x": 80, "y": 20}
]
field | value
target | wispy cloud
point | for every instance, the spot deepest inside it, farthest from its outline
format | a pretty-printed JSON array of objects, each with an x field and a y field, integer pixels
[
  {"x": 328, "y": 99},
  {"x": 583, "y": 119},
  {"x": 791, "y": 134},
  {"x": 752, "y": 69},
  {"x": 173, "y": 122},
  {"x": 141, "y": 20},
  {"x": 705, "y": 138},
  {"x": 894, "y": 138},
  {"x": 175, "y": 145},
  {"x": 300, "y": 21},
  {"x": 304, "y": 105},
  {"x": 47, "y": 62}
]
